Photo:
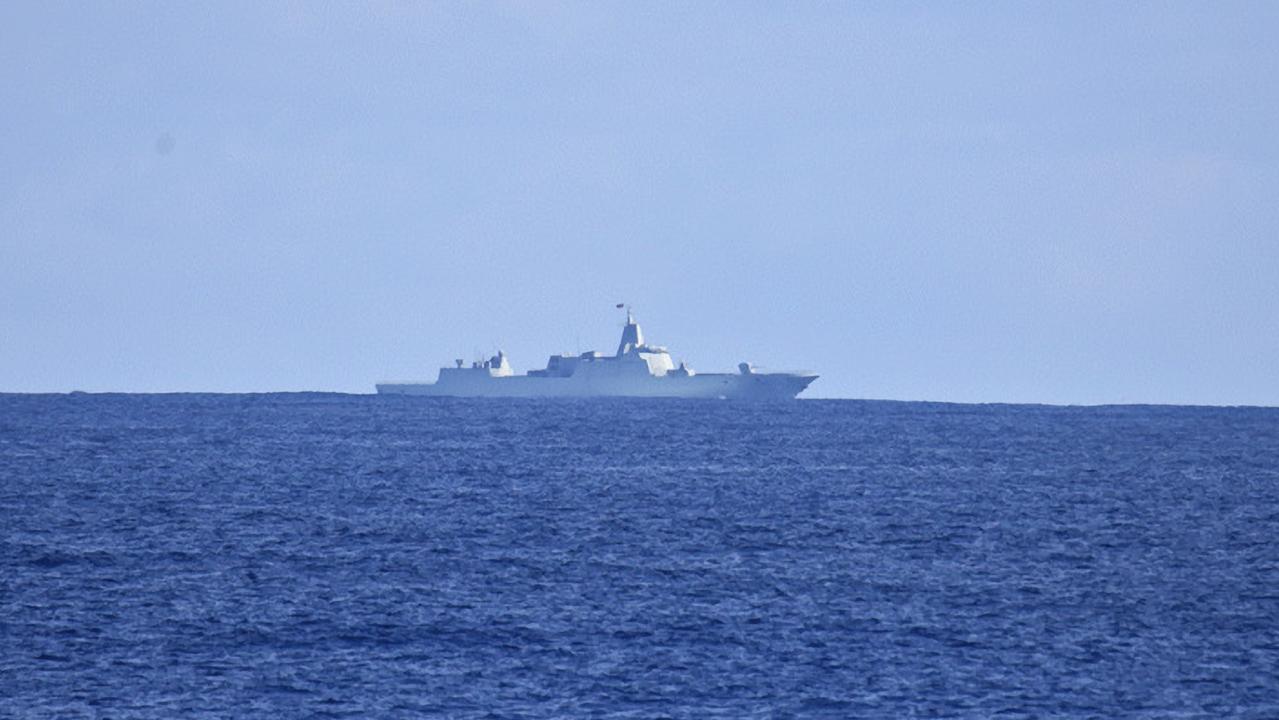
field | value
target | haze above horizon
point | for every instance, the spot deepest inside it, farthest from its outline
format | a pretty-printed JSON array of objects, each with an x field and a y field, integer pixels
[{"x": 1069, "y": 203}]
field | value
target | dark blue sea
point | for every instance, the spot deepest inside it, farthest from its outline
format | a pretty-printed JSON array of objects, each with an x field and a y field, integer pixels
[{"x": 290, "y": 556}]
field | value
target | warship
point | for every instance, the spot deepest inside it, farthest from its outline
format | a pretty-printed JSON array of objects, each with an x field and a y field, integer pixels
[{"x": 637, "y": 369}]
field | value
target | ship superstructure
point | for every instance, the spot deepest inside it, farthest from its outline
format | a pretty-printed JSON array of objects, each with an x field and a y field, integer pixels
[{"x": 637, "y": 369}]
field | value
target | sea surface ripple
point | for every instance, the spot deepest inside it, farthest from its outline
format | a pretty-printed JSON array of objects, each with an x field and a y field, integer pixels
[{"x": 359, "y": 556}]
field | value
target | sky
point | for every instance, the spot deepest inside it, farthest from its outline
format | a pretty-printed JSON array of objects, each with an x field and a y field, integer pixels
[{"x": 1066, "y": 202}]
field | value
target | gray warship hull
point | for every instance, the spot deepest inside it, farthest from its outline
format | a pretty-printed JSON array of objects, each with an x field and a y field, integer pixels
[{"x": 756, "y": 386}]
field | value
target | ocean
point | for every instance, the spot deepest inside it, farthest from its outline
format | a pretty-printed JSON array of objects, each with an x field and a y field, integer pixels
[{"x": 314, "y": 555}]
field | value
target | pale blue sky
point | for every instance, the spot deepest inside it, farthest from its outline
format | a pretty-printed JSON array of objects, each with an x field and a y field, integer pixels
[{"x": 1068, "y": 203}]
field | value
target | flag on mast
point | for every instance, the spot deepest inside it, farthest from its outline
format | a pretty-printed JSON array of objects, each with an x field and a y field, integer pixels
[{"x": 621, "y": 305}]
